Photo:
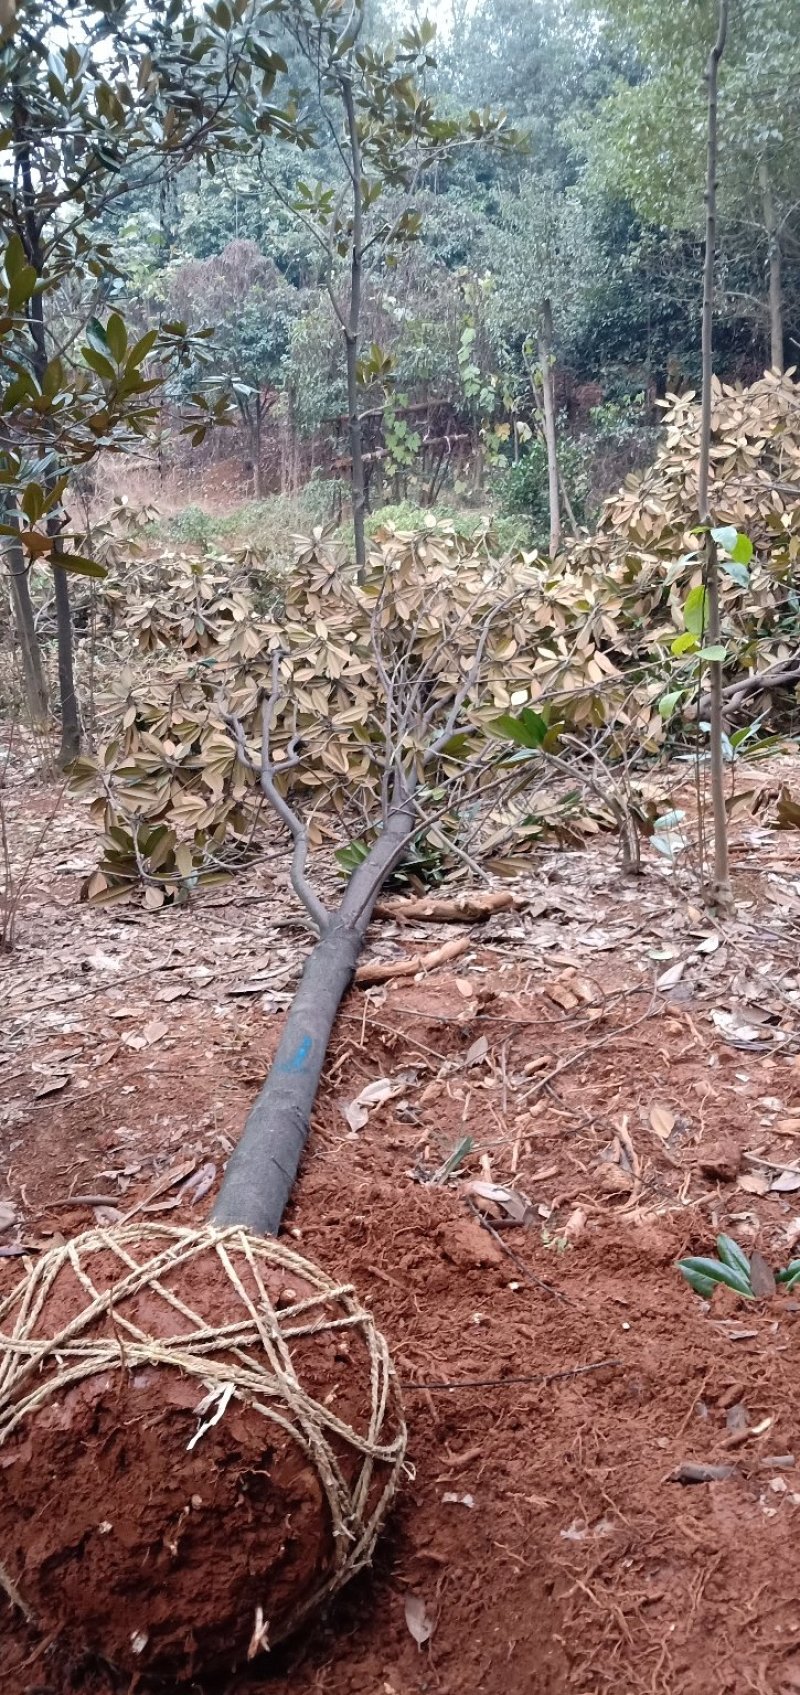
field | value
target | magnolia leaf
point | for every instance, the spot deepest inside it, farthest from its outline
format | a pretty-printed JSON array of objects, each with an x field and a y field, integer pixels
[
  {"x": 662, "y": 1121},
  {"x": 75, "y": 562},
  {"x": 418, "y": 1619},
  {"x": 695, "y": 611},
  {"x": 738, "y": 573}
]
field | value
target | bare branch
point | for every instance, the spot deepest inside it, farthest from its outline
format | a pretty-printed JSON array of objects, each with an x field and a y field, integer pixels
[{"x": 266, "y": 774}]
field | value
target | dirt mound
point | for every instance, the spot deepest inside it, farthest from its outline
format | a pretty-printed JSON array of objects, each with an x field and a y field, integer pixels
[{"x": 193, "y": 1446}]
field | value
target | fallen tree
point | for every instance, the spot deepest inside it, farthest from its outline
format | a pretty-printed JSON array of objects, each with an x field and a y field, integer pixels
[{"x": 427, "y": 759}]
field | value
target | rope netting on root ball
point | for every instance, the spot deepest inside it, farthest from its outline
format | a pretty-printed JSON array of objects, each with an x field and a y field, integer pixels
[{"x": 200, "y": 1434}]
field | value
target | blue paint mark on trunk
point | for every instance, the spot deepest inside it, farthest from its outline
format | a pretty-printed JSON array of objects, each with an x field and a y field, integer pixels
[{"x": 299, "y": 1059}]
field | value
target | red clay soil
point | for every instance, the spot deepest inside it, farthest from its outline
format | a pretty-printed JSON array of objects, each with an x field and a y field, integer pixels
[
  {"x": 559, "y": 1376},
  {"x": 120, "y": 1529},
  {"x": 541, "y": 1533}
]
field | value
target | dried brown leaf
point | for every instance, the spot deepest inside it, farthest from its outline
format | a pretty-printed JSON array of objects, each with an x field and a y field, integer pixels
[
  {"x": 662, "y": 1121},
  {"x": 418, "y": 1619}
]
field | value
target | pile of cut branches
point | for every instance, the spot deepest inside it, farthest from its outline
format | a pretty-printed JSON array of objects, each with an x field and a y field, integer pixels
[{"x": 585, "y": 644}]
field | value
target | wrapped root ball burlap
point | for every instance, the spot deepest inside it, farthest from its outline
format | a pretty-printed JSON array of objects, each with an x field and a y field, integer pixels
[{"x": 200, "y": 1434}]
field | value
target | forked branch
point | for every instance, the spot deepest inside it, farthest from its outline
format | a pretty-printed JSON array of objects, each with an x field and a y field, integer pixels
[{"x": 265, "y": 772}]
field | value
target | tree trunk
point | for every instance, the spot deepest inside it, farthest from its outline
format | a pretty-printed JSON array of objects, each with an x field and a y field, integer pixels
[
  {"x": 548, "y": 406},
  {"x": 720, "y": 886},
  {"x": 70, "y": 720},
  {"x": 263, "y": 1166},
  {"x": 352, "y": 335},
  {"x": 258, "y": 475},
  {"x": 775, "y": 264},
  {"x": 70, "y": 723},
  {"x": 32, "y": 669}
]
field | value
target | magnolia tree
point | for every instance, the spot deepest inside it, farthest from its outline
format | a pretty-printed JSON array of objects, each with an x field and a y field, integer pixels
[
  {"x": 370, "y": 115},
  {"x": 83, "y": 123}
]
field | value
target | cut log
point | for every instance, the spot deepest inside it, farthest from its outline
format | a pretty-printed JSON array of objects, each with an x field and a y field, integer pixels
[
  {"x": 473, "y": 907},
  {"x": 384, "y": 971}
]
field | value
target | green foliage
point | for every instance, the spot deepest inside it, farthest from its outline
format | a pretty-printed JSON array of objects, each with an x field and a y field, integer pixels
[
  {"x": 734, "y": 1269},
  {"x": 523, "y": 488},
  {"x": 506, "y": 534},
  {"x": 263, "y": 527}
]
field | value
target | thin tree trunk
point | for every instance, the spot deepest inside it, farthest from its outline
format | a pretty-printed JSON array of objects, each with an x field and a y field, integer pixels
[
  {"x": 70, "y": 723},
  {"x": 263, "y": 1166},
  {"x": 32, "y": 668},
  {"x": 720, "y": 886},
  {"x": 775, "y": 269},
  {"x": 352, "y": 336},
  {"x": 548, "y": 406},
  {"x": 70, "y": 719},
  {"x": 258, "y": 475}
]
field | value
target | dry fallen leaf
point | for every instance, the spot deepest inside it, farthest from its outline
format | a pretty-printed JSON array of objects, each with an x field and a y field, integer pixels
[
  {"x": 418, "y": 1619},
  {"x": 754, "y": 1183},
  {"x": 734, "y": 1028},
  {"x": 478, "y": 1051},
  {"x": 669, "y": 978},
  {"x": 466, "y": 989},
  {"x": 154, "y": 1031},
  {"x": 792, "y": 1233},
  {"x": 662, "y": 1121},
  {"x": 107, "y": 1215},
  {"x": 512, "y": 1202},
  {"x": 53, "y": 1085},
  {"x": 762, "y": 1277},
  {"x": 8, "y": 1215},
  {"x": 355, "y": 1114},
  {"x": 786, "y": 1183},
  {"x": 575, "y": 1225},
  {"x": 374, "y": 1094},
  {"x": 562, "y": 996},
  {"x": 197, "y": 1187}
]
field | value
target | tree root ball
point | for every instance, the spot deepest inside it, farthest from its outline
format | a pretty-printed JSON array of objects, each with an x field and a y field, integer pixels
[{"x": 200, "y": 1434}]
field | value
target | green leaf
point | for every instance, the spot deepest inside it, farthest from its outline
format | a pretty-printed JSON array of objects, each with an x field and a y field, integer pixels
[
  {"x": 351, "y": 856},
  {"x": 719, "y": 1273},
  {"x": 695, "y": 611},
  {"x": 96, "y": 336},
  {"x": 703, "y": 1286},
  {"x": 668, "y": 703},
  {"x": 726, "y": 536},
  {"x": 717, "y": 655},
  {"x": 731, "y": 1254},
  {"x": 81, "y": 566},
  {"x": 738, "y": 573},
  {"x": 789, "y": 1272},
  {"x": 141, "y": 348},
  {"x": 528, "y": 730},
  {"x": 742, "y": 552},
  {"x": 21, "y": 287},
  {"x": 684, "y": 644},
  {"x": 14, "y": 258},
  {"x": 99, "y": 363},
  {"x": 117, "y": 337},
  {"x": 33, "y": 502}
]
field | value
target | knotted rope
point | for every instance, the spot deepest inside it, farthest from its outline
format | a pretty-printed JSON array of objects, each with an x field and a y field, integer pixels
[{"x": 248, "y": 1358}]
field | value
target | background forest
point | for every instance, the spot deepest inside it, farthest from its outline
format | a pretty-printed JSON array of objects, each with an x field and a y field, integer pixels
[{"x": 587, "y": 228}]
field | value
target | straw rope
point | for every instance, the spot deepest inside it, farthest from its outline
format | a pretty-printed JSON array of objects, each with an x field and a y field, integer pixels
[{"x": 249, "y": 1357}]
